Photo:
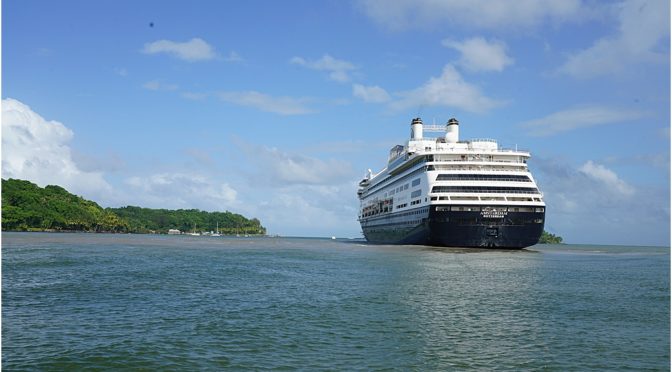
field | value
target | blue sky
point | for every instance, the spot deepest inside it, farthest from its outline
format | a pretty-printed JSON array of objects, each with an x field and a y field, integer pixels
[{"x": 276, "y": 109}]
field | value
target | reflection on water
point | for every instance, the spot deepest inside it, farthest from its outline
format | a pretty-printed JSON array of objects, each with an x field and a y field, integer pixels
[
  {"x": 81, "y": 301},
  {"x": 458, "y": 250}
]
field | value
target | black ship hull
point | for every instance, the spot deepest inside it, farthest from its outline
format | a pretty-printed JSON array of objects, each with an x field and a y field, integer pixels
[{"x": 505, "y": 227}]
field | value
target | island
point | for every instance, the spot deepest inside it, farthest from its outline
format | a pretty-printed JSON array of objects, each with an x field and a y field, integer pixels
[
  {"x": 548, "y": 238},
  {"x": 28, "y": 207}
]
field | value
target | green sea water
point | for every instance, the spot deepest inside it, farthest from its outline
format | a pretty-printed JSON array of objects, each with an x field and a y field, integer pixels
[{"x": 102, "y": 302}]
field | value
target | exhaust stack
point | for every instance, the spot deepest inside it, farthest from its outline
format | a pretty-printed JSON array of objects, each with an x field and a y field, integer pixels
[
  {"x": 452, "y": 131},
  {"x": 416, "y": 129}
]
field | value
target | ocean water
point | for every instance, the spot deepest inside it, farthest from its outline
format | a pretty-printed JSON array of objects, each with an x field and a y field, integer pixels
[{"x": 96, "y": 301}]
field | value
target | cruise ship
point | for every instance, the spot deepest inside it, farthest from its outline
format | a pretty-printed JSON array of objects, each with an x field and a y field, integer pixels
[{"x": 446, "y": 192}]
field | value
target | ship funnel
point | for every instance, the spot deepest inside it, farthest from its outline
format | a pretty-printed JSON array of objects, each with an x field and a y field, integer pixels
[
  {"x": 452, "y": 131},
  {"x": 416, "y": 129}
]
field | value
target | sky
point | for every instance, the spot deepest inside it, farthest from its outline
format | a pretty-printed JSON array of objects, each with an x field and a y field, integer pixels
[{"x": 276, "y": 109}]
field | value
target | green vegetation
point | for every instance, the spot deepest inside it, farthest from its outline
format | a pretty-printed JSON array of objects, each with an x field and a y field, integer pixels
[
  {"x": 187, "y": 220},
  {"x": 548, "y": 238},
  {"x": 28, "y": 207}
]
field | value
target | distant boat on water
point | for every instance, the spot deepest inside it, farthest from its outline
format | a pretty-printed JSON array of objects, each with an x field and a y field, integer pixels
[
  {"x": 216, "y": 233},
  {"x": 194, "y": 233}
]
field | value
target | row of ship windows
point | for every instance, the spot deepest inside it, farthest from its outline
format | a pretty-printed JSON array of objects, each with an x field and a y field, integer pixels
[
  {"x": 457, "y": 177},
  {"x": 487, "y": 198},
  {"x": 417, "y": 211},
  {"x": 415, "y": 182},
  {"x": 505, "y": 221},
  {"x": 387, "y": 182},
  {"x": 386, "y": 206},
  {"x": 414, "y": 202},
  {"x": 477, "y": 157},
  {"x": 395, "y": 226},
  {"x": 486, "y": 189},
  {"x": 451, "y": 158},
  {"x": 482, "y": 177},
  {"x": 398, "y": 189},
  {"x": 456, "y": 167},
  {"x": 472, "y": 208},
  {"x": 447, "y": 177}
]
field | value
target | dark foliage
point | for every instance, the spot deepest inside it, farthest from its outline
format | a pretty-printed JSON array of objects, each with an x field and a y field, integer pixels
[
  {"x": 548, "y": 238},
  {"x": 28, "y": 207}
]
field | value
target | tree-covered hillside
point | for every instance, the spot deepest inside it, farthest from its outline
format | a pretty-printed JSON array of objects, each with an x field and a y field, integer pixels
[
  {"x": 28, "y": 207},
  {"x": 145, "y": 220}
]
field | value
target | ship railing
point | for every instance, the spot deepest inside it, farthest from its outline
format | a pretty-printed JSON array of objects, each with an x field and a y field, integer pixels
[
  {"x": 483, "y": 140},
  {"x": 477, "y": 160},
  {"x": 434, "y": 128},
  {"x": 440, "y": 167},
  {"x": 514, "y": 149}
]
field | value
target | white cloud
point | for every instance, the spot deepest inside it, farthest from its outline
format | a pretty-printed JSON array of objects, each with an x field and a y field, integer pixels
[
  {"x": 194, "y": 96},
  {"x": 593, "y": 204},
  {"x": 181, "y": 190},
  {"x": 483, "y": 14},
  {"x": 37, "y": 150},
  {"x": 233, "y": 56},
  {"x": 157, "y": 85},
  {"x": 373, "y": 93},
  {"x": 606, "y": 177},
  {"x": 338, "y": 69},
  {"x": 643, "y": 25},
  {"x": 292, "y": 190},
  {"x": 193, "y": 50},
  {"x": 575, "y": 118},
  {"x": 280, "y": 105},
  {"x": 310, "y": 210},
  {"x": 448, "y": 90},
  {"x": 276, "y": 167},
  {"x": 479, "y": 54}
]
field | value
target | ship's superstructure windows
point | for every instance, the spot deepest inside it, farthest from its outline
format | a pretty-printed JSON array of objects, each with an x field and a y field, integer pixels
[
  {"x": 474, "y": 198},
  {"x": 395, "y": 152},
  {"x": 482, "y": 177},
  {"x": 474, "y": 183},
  {"x": 463, "y": 167},
  {"x": 468, "y": 208},
  {"x": 486, "y": 189}
]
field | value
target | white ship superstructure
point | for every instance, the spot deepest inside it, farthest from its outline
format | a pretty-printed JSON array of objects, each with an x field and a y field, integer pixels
[{"x": 450, "y": 192}]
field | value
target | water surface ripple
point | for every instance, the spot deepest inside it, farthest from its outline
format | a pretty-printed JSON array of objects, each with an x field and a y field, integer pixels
[{"x": 95, "y": 301}]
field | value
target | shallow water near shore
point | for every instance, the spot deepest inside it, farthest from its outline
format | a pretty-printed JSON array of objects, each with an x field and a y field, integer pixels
[{"x": 83, "y": 301}]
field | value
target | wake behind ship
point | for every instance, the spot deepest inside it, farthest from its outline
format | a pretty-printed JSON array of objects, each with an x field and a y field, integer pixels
[{"x": 447, "y": 192}]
